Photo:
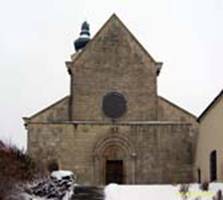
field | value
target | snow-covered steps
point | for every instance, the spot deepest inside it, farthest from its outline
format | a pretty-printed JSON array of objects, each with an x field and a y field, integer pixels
[{"x": 88, "y": 193}]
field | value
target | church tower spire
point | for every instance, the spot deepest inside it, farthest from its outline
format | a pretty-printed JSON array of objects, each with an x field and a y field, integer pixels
[{"x": 84, "y": 37}]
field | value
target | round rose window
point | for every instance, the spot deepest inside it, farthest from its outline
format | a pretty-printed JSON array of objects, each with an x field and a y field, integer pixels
[{"x": 114, "y": 105}]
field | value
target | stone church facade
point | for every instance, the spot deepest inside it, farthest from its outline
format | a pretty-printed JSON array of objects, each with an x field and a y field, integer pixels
[{"x": 114, "y": 127}]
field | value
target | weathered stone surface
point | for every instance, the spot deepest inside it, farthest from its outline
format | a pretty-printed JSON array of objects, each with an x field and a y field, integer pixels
[
  {"x": 113, "y": 61},
  {"x": 154, "y": 153},
  {"x": 57, "y": 112},
  {"x": 155, "y": 139}
]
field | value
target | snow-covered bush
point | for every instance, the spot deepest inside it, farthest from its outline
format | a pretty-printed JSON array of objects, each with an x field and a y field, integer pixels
[
  {"x": 20, "y": 178},
  {"x": 58, "y": 186}
]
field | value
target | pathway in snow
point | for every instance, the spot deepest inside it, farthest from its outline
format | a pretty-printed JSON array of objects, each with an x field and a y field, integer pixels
[
  {"x": 159, "y": 192},
  {"x": 88, "y": 193}
]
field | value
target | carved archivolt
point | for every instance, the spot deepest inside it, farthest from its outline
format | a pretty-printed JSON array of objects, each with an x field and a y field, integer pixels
[
  {"x": 114, "y": 147},
  {"x": 114, "y": 141}
]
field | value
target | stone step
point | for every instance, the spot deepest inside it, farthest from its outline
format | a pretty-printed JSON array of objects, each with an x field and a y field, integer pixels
[{"x": 88, "y": 193}]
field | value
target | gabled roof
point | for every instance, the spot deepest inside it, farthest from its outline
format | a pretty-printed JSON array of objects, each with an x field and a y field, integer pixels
[
  {"x": 114, "y": 17},
  {"x": 210, "y": 106},
  {"x": 27, "y": 119},
  {"x": 178, "y": 107}
]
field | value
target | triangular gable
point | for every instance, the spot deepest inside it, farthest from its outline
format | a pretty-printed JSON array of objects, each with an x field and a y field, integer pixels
[
  {"x": 162, "y": 99},
  {"x": 111, "y": 20},
  {"x": 210, "y": 106},
  {"x": 57, "y": 111}
]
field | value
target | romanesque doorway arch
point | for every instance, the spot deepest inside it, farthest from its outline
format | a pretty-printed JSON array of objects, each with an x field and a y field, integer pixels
[{"x": 114, "y": 161}]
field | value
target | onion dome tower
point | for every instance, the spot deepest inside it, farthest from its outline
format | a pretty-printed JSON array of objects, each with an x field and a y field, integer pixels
[{"x": 84, "y": 38}]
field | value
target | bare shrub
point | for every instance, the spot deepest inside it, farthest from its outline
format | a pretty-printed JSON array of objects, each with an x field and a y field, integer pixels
[
  {"x": 5, "y": 187},
  {"x": 15, "y": 166},
  {"x": 204, "y": 186}
]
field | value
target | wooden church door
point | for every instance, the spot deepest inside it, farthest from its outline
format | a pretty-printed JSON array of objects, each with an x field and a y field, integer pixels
[{"x": 114, "y": 171}]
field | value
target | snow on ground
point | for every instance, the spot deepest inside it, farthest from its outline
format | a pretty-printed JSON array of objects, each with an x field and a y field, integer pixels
[{"x": 159, "y": 192}]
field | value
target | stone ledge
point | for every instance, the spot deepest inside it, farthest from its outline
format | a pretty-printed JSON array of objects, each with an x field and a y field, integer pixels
[{"x": 121, "y": 123}]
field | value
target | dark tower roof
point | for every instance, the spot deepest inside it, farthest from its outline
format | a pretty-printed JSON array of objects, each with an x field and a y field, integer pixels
[{"x": 84, "y": 37}]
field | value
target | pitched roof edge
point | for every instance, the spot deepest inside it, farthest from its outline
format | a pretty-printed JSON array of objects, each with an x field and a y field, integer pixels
[
  {"x": 26, "y": 119},
  {"x": 178, "y": 107},
  {"x": 213, "y": 102},
  {"x": 97, "y": 33},
  {"x": 130, "y": 33},
  {"x": 137, "y": 41}
]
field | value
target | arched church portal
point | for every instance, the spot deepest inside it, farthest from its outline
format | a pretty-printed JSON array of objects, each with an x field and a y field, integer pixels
[{"x": 114, "y": 161}]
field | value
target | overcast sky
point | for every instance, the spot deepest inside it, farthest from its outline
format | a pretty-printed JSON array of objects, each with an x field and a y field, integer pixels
[{"x": 36, "y": 38}]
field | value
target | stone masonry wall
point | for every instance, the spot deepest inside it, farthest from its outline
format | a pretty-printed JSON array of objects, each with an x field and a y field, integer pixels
[
  {"x": 163, "y": 153},
  {"x": 154, "y": 138},
  {"x": 113, "y": 61},
  {"x": 168, "y": 111}
]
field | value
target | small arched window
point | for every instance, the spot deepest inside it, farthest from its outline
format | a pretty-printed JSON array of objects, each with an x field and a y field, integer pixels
[
  {"x": 213, "y": 165},
  {"x": 53, "y": 165}
]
